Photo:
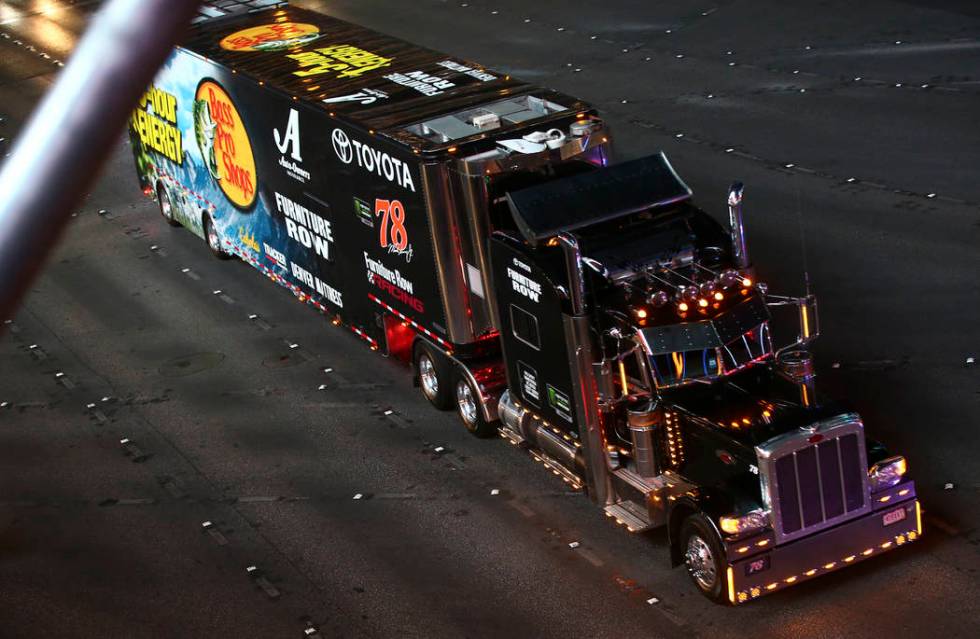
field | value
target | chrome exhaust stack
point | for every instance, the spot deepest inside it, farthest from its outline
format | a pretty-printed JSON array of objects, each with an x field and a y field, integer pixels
[{"x": 740, "y": 251}]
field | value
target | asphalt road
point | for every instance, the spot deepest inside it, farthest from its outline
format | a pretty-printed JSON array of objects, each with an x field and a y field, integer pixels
[{"x": 855, "y": 129}]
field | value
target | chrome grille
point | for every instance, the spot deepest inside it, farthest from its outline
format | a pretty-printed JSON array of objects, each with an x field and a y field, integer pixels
[{"x": 816, "y": 478}]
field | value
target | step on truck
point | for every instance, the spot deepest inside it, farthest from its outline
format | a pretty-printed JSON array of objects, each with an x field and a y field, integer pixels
[{"x": 590, "y": 313}]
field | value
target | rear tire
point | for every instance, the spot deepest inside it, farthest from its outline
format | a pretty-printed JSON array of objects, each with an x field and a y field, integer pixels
[
  {"x": 166, "y": 206},
  {"x": 703, "y": 555},
  {"x": 434, "y": 376},
  {"x": 213, "y": 239},
  {"x": 469, "y": 409}
]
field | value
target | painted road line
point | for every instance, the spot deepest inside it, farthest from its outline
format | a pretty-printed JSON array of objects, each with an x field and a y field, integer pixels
[
  {"x": 173, "y": 487},
  {"x": 135, "y": 502},
  {"x": 132, "y": 450},
  {"x": 394, "y": 417},
  {"x": 943, "y": 525},
  {"x": 521, "y": 508},
  {"x": 262, "y": 582},
  {"x": 214, "y": 533},
  {"x": 590, "y": 557}
]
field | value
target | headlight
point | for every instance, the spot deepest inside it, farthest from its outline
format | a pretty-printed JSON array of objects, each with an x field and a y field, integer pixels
[
  {"x": 887, "y": 473},
  {"x": 736, "y": 525}
]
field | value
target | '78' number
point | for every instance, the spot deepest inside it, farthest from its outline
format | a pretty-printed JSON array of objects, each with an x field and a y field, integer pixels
[{"x": 393, "y": 230}]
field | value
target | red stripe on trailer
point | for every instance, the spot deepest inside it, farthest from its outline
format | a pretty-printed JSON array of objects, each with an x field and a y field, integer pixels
[{"x": 411, "y": 322}]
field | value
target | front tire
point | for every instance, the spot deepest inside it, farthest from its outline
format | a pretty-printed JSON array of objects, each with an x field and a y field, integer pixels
[
  {"x": 703, "y": 556},
  {"x": 470, "y": 411},
  {"x": 214, "y": 239},
  {"x": 166, "y": 206}
]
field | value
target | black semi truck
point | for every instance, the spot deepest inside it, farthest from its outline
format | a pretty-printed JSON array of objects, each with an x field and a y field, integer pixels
[{"x": 592, "y": 314}]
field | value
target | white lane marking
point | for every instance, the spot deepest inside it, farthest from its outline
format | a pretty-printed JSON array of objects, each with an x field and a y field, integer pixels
[{"x": 521, "y": 508}]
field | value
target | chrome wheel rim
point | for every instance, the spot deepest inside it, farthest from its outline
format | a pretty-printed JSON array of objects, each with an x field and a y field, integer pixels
[
  {"x": 466, "y": 402},
  {"x": 165, "y": 207},
  {"x": 701, "y": 563},
  {"x": 213, "y": 239},
  {"x": 428, "y": 377}
]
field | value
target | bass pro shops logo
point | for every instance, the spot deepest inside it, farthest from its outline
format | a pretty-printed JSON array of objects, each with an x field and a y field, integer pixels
[
  {"x": 272, "y": 37},
  {"x": 224, "y": 144},
  {"x": 371, "y": 160}
]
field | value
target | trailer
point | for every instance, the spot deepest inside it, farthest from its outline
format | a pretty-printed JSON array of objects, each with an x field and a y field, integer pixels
[{"x": 472, "y": 225}]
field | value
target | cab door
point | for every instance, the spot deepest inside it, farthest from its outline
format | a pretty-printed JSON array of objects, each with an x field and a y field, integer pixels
[{"x": 532, "y": 333}]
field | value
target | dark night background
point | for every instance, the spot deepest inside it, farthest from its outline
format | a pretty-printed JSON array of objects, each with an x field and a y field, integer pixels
[{"x": 853, "y": 125}]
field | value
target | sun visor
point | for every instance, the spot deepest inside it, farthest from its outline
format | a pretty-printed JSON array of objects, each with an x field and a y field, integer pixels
[
  {"x": 545, "y": 210},
  {"x": 715, "y": 333}
]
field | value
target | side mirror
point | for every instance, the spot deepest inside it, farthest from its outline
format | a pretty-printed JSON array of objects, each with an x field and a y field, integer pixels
[
  {"x": 809, "y": 319},
  {"x": 806, "y": 315}
]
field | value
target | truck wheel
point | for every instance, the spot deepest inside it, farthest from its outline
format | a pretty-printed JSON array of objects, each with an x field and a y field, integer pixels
[
  {"x": 166, "y": 206},
  {"x": 703, "y": 557},
  {"x": 214, "y": 240},
  {"x": 468, "y": 407},
  {"x": 434, "y": 375}
]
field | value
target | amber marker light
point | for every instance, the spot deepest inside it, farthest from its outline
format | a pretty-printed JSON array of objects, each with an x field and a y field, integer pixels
[{"x": 731, "y": 585}]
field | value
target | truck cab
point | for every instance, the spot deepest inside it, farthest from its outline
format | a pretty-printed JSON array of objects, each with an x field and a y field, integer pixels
[{"x": 641, "y": 365}]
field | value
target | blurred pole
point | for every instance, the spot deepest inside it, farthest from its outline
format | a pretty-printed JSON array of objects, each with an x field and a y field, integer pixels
[{"x": 58, "y": 154}]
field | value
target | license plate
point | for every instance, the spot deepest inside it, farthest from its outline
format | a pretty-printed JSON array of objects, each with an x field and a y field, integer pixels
[{"x": 893, "y": 517}]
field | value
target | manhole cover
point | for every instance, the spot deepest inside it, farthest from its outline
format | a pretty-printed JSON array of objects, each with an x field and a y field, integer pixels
[{"x": 191, "y": 364}]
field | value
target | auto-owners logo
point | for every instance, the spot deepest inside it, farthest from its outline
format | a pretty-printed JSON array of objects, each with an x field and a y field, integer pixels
[{"x": 371, "y": 160}]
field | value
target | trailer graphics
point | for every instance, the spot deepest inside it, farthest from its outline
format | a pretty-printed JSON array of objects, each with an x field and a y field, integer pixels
[
  {"x": 271, "y": 37},
  {"x": 589, "y": 313},
  {"x": 224, "y": 144},
  {"x": 261, "y": 172},
  {"x": 155, "y": 122}
]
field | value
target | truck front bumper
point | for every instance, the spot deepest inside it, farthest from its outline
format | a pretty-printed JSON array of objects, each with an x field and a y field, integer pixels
[{"x": 885, "y": 528}]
